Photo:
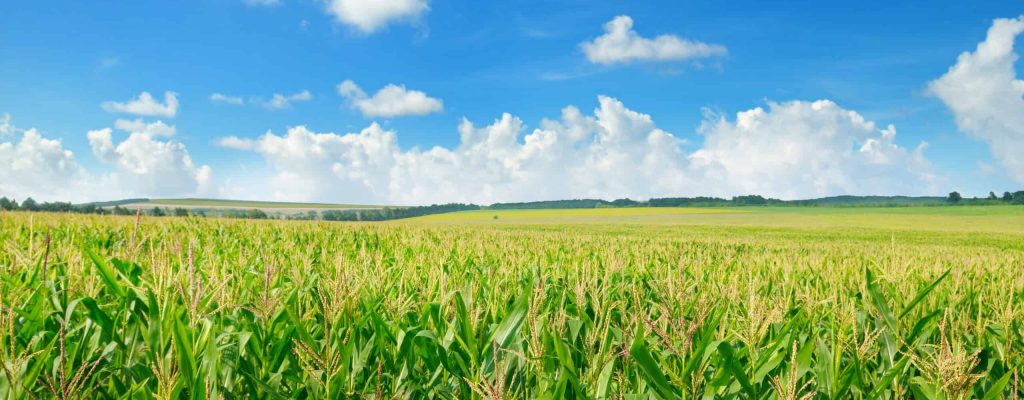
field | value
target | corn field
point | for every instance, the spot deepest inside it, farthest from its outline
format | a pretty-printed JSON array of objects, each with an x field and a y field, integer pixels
[{"x": 114, "y": 307}]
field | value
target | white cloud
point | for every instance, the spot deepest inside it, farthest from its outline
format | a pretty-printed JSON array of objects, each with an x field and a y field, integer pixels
[
  {"x": 276, "y": 102},
  {"x": 621, "y": 44},
  {"x": 222, "y": 98},
  {"x": 145, "y": 165},
  {"x": 6, "y": 127},
  {"x": 809, "y": 149},
  {"x": 146, "y": 105},
  {"x": 985, "y": 96},
  {"x": 370, "y": 16},
  {"x": 35, "y": 166},
  {"x": 234, "y": 142},
  {"x": 280, "y": 101},
  {"x": 390, "y": 101},
  {"x": 158, "y": 128},
  {"x": 352, "y": 164},
  {"x": 794, "y": 149}
]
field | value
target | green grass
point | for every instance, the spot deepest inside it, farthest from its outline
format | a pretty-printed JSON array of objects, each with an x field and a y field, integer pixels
[
  {"x": 250, "y": 204},
  {"x": 751, "y": 303}
]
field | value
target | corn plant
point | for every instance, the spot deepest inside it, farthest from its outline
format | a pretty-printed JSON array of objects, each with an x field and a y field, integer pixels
[{"x": 169, "y": 308}]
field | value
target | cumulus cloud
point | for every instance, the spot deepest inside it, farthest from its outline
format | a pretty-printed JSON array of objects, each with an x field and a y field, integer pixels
[
  {"x": 390, "y": 101},
  {"x": 280, "y": 101},
  {"x": 370, "y": 16},
  {"x": 234, "y": 142},
  {"x": 146, "y": 105},
  {"x": 356, "y": 165},
  {"x": 6, "y": 127},
  {"x": 34, "y": 166},
  {"x": 158, "y": 128},
  {"x": 620, "y": 44},
  {"x": 146, "y": 165},
  {"x": 985, "y": 96},
  {"x": 794, "y": 149},
  {"x": 222, "y": 98},
  {"x": 809, "y": 149}
]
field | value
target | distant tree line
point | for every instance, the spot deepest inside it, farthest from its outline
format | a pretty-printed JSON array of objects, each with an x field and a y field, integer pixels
[
  {"x": 1007, "y": 198},
  {"x": 195, "y": 212},
  {"x": 751, "y": 200},
  {"x": 369, "y": 214},
  {"x": 387, "y": 213},
  {"x": 30, "y": 204},
  {"x": 756, "y": 200},
  {"x": 533, "y": 205},
  {"x": 58, "y": 206}
]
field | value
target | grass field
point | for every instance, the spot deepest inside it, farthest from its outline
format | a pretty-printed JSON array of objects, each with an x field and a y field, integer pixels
[{"x": 765, "y": 303}]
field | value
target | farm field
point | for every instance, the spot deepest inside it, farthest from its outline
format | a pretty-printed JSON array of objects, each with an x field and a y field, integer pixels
[
  {"x": 993, "y": 219},
  {"x": 674, "y": 303}
]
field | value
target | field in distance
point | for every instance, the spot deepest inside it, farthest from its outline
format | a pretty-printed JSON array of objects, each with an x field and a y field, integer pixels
[
  {"x": 243, "y": 204},
  {"x": 994, "y": 219}
]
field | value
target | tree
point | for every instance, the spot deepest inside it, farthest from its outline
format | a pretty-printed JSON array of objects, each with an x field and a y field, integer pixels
[
  {"x": 992, "y": 196},
  {"x": 625, "y": 203},
  {"x": 1007, "y": 197},
  {"x": 157, "y": 212},
  {"x": 954, "y": 197},
  {"x": 57, "y": 206},
  {"x": 180, "y": 212},
  {"x": 255, "y": 213},
  {"x": 8, "y": 204},
  {"x": 30, "y": 205},
  {"x": 755, "y": 200}
]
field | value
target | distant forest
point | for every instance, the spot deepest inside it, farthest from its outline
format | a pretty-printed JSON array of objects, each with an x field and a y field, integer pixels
[
  {"x": 755, "y": 200},
  {"x": 391, "y": 213}
]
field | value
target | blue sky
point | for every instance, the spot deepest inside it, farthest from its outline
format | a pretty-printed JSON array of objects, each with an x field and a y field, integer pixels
[{"x": 61, "y": 60}]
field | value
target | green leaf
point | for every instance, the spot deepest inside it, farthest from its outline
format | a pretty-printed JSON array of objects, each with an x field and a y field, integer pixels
[
  {"x": 183, "y": 344},
  {"x": 920, "y": 326},
  {"x": 737, "y": 370},
  {"x": 267, "y": 389},
  {"x": 924, "y": 390},
  {"x": 102, "y": 319},
  {"x": 886, "y": 380},
  {"x": 878, "y": 300},
  {"x": 604, "y": 380},
  {"x": 107, "y": 274},
  {"x": 510, "y": 325},
  {"x": 997, "y": 388},
  {"x": 652, "y": 371},
  {"x": 920, "y": 296}
]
